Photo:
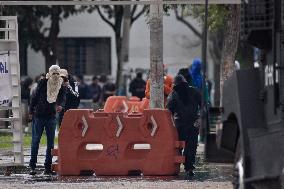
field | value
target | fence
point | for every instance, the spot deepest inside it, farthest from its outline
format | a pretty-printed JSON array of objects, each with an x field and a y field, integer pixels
[{"x": 11, "y": 131}]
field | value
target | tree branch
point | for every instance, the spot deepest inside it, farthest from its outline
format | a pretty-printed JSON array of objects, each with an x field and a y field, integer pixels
[
  {"x": 134, "y": 18},
  {"x": 104, "y": 18},
  {"x": 181, "y": 19},
  {"x": 133, "y": 10}
]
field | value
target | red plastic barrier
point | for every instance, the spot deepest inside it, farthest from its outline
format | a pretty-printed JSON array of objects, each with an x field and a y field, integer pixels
[
  {"x": 118, "y": 143},
  {"x": 122, "y": 104}
]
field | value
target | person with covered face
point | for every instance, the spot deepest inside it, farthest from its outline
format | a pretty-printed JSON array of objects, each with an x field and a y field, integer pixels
[
  {"x": 48, "y": 99},
  {"x": 184, "y": 103},
  {"x": 72, "y": 93},
  {"x": 195, "y": 71},
  {"x": 198, "y": 79}
]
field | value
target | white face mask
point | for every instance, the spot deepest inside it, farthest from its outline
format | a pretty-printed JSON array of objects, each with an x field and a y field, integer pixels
[{"x": 53, "y": 86}]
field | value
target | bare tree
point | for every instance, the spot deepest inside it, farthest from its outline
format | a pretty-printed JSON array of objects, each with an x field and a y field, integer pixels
[
  {"x": 230, "y": 45},
  {"x": 215, "y": 50},
  {"x": 113, "y": 16},
  {"x": 224, "y": 38},
  {"x": 181, "y": 17},
  {"x": 215, "y": 46}
]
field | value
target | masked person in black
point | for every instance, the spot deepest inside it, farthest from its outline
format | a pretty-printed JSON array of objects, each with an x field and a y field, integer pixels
[
  {"x": 72, "y": 93},
  {"x": 184, "y": 103},
  {"x": 47, "y": 100}
]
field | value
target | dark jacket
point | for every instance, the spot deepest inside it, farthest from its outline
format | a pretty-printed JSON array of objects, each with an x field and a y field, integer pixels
[
  {"x": 94, "y": 92},
  {"x": 108, "y": 90},
  {"x": 137, "y": 88},
  {"x": 83, "y": 91},
  {"x": 184, "y": 103},
  {"x": 40, "y": 107},
  {"x": 72, "y": 96}
]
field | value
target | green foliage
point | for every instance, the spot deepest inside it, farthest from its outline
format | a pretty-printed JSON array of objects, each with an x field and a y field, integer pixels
[
  {"x": 32, "y": 29},
  {"x": 216, "y": 15},
  {"x": 6, "y": 140}
]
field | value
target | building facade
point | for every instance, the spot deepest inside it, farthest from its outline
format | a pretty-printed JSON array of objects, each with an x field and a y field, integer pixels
[{"x": 87, "y": 47}]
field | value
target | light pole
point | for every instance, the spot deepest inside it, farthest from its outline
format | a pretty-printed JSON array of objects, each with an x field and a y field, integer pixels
[{"x": 203, "y": 115}]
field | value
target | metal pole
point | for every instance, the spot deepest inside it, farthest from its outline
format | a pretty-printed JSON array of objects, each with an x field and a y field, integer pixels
[
  {"x": 204, "y": 67},
  {"x": 204, "y": 44}
]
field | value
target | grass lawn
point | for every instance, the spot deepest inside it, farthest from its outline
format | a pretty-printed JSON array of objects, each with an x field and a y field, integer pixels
[{"x": 6, "y": 140}]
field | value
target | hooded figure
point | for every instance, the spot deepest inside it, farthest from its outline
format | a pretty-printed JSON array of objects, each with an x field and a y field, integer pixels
[
  {"x": 195, "y": 72},
  {"x": 54, "y": 82},
  {"x": 184, "y": 103},
  {"x": 184, "y": 72},
  {"x": 197, "y": 79}
]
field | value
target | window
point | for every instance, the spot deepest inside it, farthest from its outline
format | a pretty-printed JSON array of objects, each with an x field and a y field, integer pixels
[{"x": 85, "y": 56}]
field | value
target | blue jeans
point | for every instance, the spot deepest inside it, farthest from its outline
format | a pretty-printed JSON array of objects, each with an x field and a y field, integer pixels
[{"x": 38, "y": 125}]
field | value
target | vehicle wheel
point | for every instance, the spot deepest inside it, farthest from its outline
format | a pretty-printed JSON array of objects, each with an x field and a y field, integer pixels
[{"x": 239, "y": 169}]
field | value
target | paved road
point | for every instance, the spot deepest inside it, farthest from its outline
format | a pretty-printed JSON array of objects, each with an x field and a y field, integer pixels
[{"x": 208, "y": 176}]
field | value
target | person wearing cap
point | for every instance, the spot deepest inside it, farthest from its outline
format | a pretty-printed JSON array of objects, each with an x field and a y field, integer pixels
[
  {"x": 184, "y": 103},
  {"x": 47, "y": 100},
  {"x": 72, "y": 93}
]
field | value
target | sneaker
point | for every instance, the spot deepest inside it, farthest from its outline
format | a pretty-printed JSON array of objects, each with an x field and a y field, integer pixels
[
  {"x": 189, "y": 174},
  {"x": 49, "y": 172},
  {"x": 32, "y": 171}
]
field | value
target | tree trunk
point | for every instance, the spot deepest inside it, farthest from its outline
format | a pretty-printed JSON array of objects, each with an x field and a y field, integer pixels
[
  {"x": 50, "y": 52},
  {"x": 156, "y": 57},
  {"x": 215, "y": 50},
  {"x": 49, "y": 60},
  {"x": 118, "y": 40},
  {"x": 118, "y": 14},
  {"x": 124, "y": 48},
  {"x": 230, "y": 45},
  {"x": 23, "y": 51},
  {"x": 245, "y": 55},
  {"x": 125, "y": 33}
]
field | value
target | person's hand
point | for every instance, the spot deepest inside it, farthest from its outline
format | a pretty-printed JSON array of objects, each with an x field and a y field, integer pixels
[
  {"x": 66, "y": 83},
  {"x": 197, "y": 123},
  {"x": 59, "y": 108}
]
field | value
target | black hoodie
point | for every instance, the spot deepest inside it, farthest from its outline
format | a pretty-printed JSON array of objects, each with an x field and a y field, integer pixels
[
  {"x": 40, "y": 107},
  {"x": 184, "y": 102}
]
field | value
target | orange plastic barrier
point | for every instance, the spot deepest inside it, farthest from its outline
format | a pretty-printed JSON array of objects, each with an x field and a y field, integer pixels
[
  {"x": 118, "y": 143},
  {"x": 122, "y": 104}
]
